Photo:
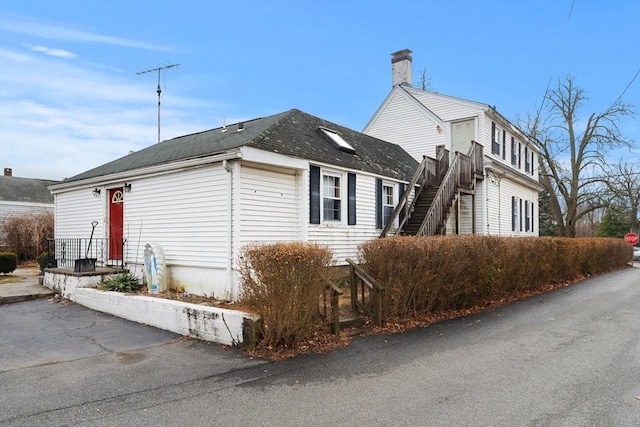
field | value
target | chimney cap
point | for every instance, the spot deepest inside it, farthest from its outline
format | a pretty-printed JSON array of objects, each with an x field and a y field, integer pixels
[
  {"x": 8, "y": 172},
  {"x": 401, "y": 55}
]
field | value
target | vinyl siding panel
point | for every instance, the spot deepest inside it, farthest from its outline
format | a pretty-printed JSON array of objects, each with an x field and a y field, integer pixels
[
  {"x": 445, "y": 107},
  {"x": 75, "y": 210},
  {"x": 269, "y": 205},
  {"x": 500, "y": 208},
  {"x": 466, "y": 214},
  {"x": 183, "y": 212},
  {"x": 402, "y": 123},
  {"x": 343, "y": 239}
]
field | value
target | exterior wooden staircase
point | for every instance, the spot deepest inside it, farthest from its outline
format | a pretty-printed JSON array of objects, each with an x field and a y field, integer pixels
[{"x": 437, "y": 184}]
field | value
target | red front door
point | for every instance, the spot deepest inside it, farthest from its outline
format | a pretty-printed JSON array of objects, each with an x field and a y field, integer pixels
[{"x": 116, "y": 203}]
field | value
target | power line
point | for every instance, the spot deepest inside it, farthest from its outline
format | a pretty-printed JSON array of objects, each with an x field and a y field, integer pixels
[{"x": 159, "y": 91}]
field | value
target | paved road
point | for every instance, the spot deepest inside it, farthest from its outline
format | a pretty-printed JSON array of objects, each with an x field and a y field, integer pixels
[{"x": 569, "y": 358}]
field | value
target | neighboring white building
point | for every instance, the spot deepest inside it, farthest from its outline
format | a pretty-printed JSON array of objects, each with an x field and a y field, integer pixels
[
  {"x": 503, "y": 199},
  {"x": 22, "y": 197},
  {"x": 205, "y": 196}
]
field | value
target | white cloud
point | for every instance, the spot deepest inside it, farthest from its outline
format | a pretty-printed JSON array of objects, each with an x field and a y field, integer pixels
[
  {"x": 60, "y": 53},
  {"x": 60, "y": 118},
  {"x": 56, "y": 32}
]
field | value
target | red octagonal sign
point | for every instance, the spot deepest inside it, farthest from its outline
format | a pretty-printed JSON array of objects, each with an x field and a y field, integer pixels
[{"x": 631, "y": 238}]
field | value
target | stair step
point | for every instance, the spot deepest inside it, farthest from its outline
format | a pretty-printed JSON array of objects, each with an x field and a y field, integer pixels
[{"x": 351, "y": 322}]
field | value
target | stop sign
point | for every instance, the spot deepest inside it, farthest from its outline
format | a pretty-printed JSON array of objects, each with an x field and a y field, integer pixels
[{"x": 631, "y": 238}]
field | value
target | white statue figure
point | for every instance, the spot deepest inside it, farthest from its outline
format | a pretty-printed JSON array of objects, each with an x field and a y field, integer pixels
[{"x": 154, "y": 268}]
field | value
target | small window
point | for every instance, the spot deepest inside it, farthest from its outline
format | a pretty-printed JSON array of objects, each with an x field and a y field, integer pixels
[
  {"x": 331, "y": 197},
  {"x": 497, "y": 143},
  {"x": 527, "y": 163},
  {"x": 338, "y": 140},
  {"x": 515, "y": 214},
  {"x": 514, "y": 152},
  {"x": 387, "y": 203}
]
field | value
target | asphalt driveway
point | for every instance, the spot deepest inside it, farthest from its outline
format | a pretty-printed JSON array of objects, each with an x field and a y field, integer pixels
[{"x": 567, "y": 358}]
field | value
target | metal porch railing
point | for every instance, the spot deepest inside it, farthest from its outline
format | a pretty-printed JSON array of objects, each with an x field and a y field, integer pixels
[{"x": 63, "y": 253}]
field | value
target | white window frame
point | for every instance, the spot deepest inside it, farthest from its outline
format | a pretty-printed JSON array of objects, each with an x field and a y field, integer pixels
[
  {"x": 385, "y": 201},
  {"x": 324, "y": 196}
]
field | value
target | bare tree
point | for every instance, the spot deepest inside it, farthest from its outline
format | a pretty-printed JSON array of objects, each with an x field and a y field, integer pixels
[
  {"x": 573, "y": 152},
  {"x": 425, "y": 82},
  {"x": 624, "y": 185}
]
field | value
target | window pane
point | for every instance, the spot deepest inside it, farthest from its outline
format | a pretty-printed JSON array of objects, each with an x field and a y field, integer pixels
[
  {"x": 331, "y": 198},
  {"x": 386, "y": 214},
  {"x": 331, "y": 210}
]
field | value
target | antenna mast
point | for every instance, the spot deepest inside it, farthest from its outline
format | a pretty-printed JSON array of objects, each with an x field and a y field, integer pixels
[{"x": 158, "y": 69}]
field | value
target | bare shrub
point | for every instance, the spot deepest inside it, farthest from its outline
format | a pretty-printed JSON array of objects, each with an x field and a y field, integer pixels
[
  {"x": 428, "y": 274},
  {"x": 283, "y": 284},
  {"x": 27, "y": 235}
]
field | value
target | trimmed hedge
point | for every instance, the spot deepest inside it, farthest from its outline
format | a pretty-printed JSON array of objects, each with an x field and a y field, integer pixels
[
  {"x": 8, "y": 262},
  {"x": 427, "y": 274},
  {"x": 283, "y": 284}
]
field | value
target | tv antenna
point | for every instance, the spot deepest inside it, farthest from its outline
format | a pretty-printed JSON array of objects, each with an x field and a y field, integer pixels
[{"x": 158, "y": 69}]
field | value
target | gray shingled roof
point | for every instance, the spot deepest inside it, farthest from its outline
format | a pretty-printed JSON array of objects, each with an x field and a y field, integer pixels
[
  {"x": 26, "y": 190},
  {"x": 291, "y": 133}
]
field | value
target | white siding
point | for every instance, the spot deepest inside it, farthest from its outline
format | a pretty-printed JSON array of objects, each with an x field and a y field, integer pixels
[
  {"x": 269, "y": 205},
  {"x": 480, "y": 204},
  {"x": 466, "y": 214},
  {"x": 183, "y": 212},
  {"x": 74, "y": 212},
  {"x": 500, "y": 208},
  {"x": 344, "y": 239},
  {"x": 446, "y": 107},
  {"x": 402, "y": 123}
]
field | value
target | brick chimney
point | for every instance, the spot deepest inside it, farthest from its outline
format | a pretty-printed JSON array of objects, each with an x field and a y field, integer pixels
[
  {"x": 401, "y": 67},
  {"x": 8, "y": 172}
]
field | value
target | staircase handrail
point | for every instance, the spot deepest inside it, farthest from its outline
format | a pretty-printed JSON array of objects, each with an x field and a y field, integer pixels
[
  {"x": 445, "y": 194},
  {"x": 403, "y": 202}
]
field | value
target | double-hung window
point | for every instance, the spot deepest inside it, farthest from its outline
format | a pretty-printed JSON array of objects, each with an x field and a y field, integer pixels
[
  {"x": 516, "y": 206},
  {"x": 387, "y": 203},
  {"x": 332, "y": 196},
  {"x": 527, "y": 163},
  {"x": 331, "y": 199},
  {"x": 514, "y": 152},
  {"x": 496, "y": 135}
]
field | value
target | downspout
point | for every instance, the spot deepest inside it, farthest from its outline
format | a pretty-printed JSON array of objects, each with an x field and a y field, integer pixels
[{"x": 226, "y": 167}]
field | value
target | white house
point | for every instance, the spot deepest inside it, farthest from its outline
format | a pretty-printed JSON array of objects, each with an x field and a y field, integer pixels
[
  {"x": 502, "y": 197},
  {"x": 203, "y": 197},
  {"x": 22, "y": 197}
]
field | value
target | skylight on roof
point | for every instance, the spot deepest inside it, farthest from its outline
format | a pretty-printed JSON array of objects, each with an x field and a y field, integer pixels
[{"x": 337, "y": 139}]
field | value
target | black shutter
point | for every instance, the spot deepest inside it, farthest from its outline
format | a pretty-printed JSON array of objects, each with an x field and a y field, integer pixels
[
  {"x": 532, "y": 222},
  {"x": 513, "y": 213},
  {"x": 314, "y": 195},
  {"x": 532, "y": 162},
  {"x": 519, "y": 155},
  {"x": 378, "y": 203},
  {"x": 504, "y": 144},
  {"x": 400, "y": 193},
  {"x": 351, "y": 199}
]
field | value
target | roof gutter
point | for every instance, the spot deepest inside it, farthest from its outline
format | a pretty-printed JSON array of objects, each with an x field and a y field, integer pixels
[{"x": 145, "y": 172}]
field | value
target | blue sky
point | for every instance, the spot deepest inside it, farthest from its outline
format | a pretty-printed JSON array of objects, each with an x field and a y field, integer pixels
[{"x": 71, "y": 98}]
